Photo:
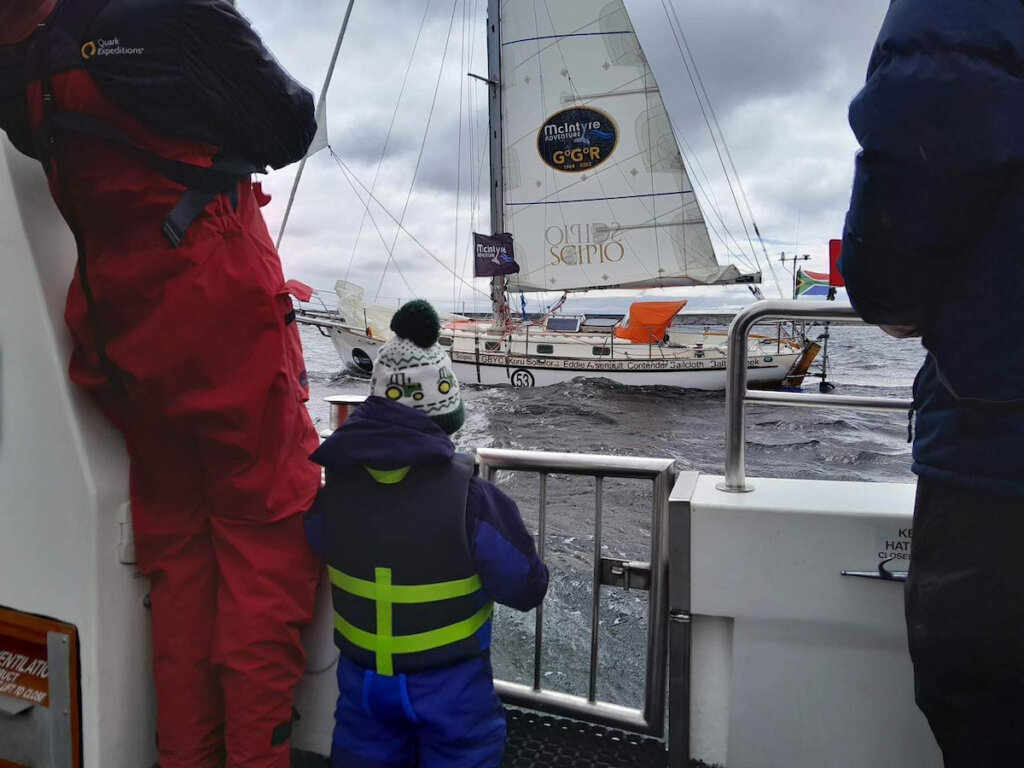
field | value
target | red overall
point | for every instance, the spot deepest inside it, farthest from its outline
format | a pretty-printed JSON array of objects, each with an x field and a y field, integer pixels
[{"x": 213, "y": 417}]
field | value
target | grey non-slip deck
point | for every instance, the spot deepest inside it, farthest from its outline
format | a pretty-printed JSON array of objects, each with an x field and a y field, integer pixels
[{"x": 542, "y": 741}]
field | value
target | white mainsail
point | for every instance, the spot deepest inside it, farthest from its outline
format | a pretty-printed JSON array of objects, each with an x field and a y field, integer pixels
[{"x": 596, "y": 193}]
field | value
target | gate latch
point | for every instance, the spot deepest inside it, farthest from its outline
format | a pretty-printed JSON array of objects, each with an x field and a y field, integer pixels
[{"x": 627, "y": 574}]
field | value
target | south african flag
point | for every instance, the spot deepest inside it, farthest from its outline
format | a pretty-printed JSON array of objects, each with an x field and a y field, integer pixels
[{"x": 811, "y": 283}]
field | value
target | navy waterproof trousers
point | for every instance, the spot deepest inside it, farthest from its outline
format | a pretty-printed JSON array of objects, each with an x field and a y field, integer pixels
[
  {"x": 965, "y": 622},
  {"x": 448, "y": 717}
]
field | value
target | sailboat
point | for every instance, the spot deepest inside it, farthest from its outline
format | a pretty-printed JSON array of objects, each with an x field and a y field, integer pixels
[{"x": 590, "y": 191}]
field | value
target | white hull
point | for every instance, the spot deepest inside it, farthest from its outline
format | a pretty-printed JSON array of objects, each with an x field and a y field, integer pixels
[
  {"x": 494, "y": 370},
  {"x": 482, "y": 357},
  {"x": 356, "y": 351}
]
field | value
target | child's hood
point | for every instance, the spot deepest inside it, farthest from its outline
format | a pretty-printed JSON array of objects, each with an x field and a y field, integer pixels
[{"x": 385, "y": 435}]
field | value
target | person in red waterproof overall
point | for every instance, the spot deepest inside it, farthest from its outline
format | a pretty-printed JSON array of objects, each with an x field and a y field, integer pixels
[{"x": 149, "y": 119}]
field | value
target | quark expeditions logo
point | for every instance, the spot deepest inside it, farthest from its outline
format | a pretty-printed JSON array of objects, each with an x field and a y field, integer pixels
[
  {"x": 577, "y": 139},
  {"x": 108, "y": 47}
]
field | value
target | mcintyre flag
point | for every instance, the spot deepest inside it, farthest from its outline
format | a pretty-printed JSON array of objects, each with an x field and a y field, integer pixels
[{"x": 494, "y": 256}]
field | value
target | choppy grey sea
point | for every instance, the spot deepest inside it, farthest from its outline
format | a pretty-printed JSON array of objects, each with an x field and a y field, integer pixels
[{"x": 598, "y": 416}]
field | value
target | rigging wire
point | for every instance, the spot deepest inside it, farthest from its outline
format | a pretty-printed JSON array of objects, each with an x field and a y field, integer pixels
[
  {"x": 681, "y": 43},
  {"x": 728, "y": 154},
  {"x": 711, "y": 205},
  {"x": 354, "y": 180},
  {"x": 321, "y": 120},
  {"x": 380, "y": 234},
  {"x": 690, "y": 66},
  {"x": 695, "y": 171},
  {"x": 387, "y": 137},
  {"x": 423, "y": 144}
]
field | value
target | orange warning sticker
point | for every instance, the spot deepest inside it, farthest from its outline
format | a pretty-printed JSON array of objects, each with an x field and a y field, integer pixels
[{"x": 25, "y": 668}]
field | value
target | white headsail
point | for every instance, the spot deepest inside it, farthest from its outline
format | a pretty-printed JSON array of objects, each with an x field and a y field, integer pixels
[{"x": 596, "y": 193}]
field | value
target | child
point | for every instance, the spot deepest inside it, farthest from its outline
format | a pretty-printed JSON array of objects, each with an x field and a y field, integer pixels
[{"x": 418, "y": 548}]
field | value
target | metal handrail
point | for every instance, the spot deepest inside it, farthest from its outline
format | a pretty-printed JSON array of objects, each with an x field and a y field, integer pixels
[{"x": 737, "y": 395}]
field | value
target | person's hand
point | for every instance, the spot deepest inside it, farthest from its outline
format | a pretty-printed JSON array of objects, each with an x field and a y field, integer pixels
[{"x": 902, "y": 331}]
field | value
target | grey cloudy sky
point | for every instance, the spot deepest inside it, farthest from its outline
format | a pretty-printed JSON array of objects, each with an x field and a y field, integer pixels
[{"x": 780, "y": 74}]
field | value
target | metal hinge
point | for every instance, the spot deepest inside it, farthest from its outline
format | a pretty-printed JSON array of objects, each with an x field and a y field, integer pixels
[
  {"x": 126, "y": 539},
  {"x": 627, "y": 574}
]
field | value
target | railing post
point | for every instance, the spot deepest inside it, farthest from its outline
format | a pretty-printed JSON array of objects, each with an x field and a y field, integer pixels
[
  {"x": 735, "y": 393},
  {"x": 341, "y": 408},
  {"x": 595, "y": 617},
  {"x": 542, "y": 532},
  {"x": 658, "y": 601},
  {"x": 680, "y": 626}
]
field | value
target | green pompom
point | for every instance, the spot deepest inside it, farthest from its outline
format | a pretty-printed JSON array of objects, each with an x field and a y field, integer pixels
[{"x": 418, "y": 322}]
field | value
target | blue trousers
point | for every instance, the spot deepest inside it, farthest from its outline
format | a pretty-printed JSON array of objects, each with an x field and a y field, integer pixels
[{"x": 441, "y": 718}]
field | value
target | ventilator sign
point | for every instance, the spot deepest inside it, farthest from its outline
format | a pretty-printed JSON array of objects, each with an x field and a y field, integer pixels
[{"x": 24, "y": 669}]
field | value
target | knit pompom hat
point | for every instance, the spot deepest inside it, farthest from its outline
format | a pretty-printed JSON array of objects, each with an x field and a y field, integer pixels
[{"x": 414, "y": 370}]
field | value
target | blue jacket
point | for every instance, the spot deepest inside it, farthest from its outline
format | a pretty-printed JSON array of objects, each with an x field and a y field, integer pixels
[
  {"x": 935, "y": 232},
  {"x": 384, "y": 435}
]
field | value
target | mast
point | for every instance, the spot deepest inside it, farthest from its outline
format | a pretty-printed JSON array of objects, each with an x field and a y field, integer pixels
[{"x": 499, "y": 307}]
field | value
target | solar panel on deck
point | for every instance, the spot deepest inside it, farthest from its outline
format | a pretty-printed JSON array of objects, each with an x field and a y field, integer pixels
[
  {"x": 564, "y": 324},
  {"x": 601, "y": 322}
]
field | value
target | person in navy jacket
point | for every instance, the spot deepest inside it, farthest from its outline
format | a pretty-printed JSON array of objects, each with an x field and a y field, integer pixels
[
  {"x": 418, "y": 550},
  {"x": 934, "y": 248}
]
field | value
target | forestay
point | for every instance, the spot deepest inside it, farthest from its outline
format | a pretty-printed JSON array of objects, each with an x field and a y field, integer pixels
[{"x": 596, "y": 192}]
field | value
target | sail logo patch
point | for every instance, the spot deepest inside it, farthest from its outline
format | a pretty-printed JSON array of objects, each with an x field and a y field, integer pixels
[{"x": 577, "y": 139}]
